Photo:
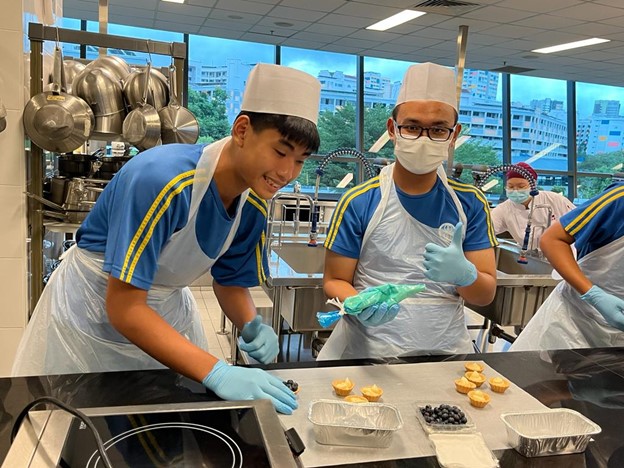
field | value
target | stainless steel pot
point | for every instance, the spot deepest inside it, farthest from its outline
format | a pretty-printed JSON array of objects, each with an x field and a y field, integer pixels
[
  {"x": 71, "y": 68},
  {"x": 113, "y": 64},
  {"x": 80, "y": 191},
  {"x": 57, "y": 121},
  {"x": 157, "y": 93},
  {"x": 103, "y": 92},
  {"x": 177, "y": 123},
  {"x": 141, "y": 127},
  {"x": 58, "y": 189}
]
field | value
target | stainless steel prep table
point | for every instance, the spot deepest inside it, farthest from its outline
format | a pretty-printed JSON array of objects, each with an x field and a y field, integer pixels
[
  {"x": 588, "y": 381},
  {"x": 403, "y": 386}
]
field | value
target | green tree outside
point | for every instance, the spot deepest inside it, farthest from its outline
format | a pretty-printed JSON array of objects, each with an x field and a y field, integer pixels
[
  {"x": 337, "y": 130},
  {"x": 210, "y": 113},
  {"x": 604, "y": 162},
  {"x": 477, "y": 151}
]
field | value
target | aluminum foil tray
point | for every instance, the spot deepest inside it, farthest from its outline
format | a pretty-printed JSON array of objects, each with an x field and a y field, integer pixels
[
  {"x": 550, "y": 432},
  {"x": 354, "y": 424}
]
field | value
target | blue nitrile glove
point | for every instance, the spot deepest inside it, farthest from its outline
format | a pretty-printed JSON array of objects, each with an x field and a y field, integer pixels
[
  {"x": 242, "y": 383},
  {"x": 449, "y": 264},
  {"x": 260, "y": 341},
  {"x": 609, "y": 306},
  {"x": 377, "y": 314}
]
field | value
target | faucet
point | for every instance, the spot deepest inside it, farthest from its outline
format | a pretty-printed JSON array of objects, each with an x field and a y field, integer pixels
[
  {"x": 298, "y": 196},
  {"x": 320, "y": 170},
  {"x": 549, "y": 211},
  {"x": 481, "y": 176}
]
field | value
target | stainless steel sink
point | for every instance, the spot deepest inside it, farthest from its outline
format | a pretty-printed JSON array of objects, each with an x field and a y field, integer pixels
[
  {"x": 301, "y": 257},
  {"x": 295, "y": 284},
  {"x": 520, "y": 288}
]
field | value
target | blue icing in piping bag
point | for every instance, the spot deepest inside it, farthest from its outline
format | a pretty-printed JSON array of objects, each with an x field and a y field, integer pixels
[{"x": 389, "y": 293}]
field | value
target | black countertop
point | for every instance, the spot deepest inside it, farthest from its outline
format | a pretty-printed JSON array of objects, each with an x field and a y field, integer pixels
[{"x": 590, "y": 381}]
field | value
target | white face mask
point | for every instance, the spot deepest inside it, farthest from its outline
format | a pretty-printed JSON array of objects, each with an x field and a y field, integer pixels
[{"x": 421, "y": 156}]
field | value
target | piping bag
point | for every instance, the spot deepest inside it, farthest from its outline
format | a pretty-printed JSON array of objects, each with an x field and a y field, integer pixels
[{"x": 389, "y": 293}]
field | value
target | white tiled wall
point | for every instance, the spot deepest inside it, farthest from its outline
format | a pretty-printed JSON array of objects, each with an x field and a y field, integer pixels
[{"x": 13, "y": 261}]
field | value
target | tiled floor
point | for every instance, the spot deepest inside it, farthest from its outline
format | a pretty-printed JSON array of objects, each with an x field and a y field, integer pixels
[{"x": 219, "y": 345}]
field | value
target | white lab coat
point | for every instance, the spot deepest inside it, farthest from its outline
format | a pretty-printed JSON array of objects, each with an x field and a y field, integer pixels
[
  {"x": 70, "y": 332},
  {"x": 513, "y": 217},
  {"x": 392, "y": 252}
]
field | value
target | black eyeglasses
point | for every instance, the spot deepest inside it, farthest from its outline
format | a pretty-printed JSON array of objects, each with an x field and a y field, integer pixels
[{"x": 414, "y": 132}]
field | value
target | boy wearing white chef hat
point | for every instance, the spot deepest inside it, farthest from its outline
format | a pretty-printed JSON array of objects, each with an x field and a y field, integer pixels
[
  {"x": 411, "y": 225},
  {"x": 170, "y": 215}
]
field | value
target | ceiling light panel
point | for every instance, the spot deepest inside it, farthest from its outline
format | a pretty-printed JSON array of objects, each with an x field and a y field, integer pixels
[
  {"x": 395, "y": 20},
  {"x": 571, "y": 45}
]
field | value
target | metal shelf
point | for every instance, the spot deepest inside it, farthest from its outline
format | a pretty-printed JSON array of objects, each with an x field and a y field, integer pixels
[{"x": 37, "y": 35}]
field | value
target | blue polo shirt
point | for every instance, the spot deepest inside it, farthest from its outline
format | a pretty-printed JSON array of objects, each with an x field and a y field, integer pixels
[
  {"x": 148, "y": 201},
  {"x": 598, "y": 221},
  {"x": 434, "y": 208}
]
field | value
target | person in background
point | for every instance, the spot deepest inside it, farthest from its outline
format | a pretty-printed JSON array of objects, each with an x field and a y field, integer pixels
[
  {"x": 120, "y": 301},
  {"x": 512, "y": 215},
  {"x": 587, "y": 309},
  {"x": 409, "y": 225}
]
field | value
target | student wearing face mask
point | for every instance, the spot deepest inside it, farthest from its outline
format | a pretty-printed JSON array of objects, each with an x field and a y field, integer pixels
[
  {"x": 512, "y": 215},
  {"x": 411, "y": 225}
]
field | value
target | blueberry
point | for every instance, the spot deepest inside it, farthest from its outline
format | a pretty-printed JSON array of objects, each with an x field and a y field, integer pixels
[{"x": 291, "y": 384}]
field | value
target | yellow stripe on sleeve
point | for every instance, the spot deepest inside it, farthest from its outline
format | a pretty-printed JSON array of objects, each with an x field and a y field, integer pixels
[
  {"x": 148, "y": 216},
  {"x": 331, "y": 237},
  {"x": 260, "y": 200},
  {"x": 153, "y": 224},
  {"x": 340, "y": 206},
  {"x": 591, "y": 210},
  {"x": 255, "y": 203},
  {"x": 481, "y": 197},
  {"x": 615, "y": 194},
  {"x": 259, "y": 252}
]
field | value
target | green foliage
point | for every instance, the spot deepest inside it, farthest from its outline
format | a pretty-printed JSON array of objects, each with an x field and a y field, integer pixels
[
  {"x": 560, "y": 189},
  {"x": 476, "y": 151},
  {"x": 210, "y": 113},
  {"x": 337, "y": 130},
  {"x": 604, "y": 162}
]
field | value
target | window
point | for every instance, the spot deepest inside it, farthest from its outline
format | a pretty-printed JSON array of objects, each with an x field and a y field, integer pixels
[
  {"x": 218, "y": 70},
  {"x": 382, "y": 81},
  {"x": 599, "y": 135},
  {"x": 542, "y": 103},
  {"x": 337, "y": 111},
  {"x": 481, "y": 134},
  {"x": 131, "y": 57}
]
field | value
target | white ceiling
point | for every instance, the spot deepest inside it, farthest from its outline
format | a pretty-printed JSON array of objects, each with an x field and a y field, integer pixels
[{"x": 501, "y": 32}]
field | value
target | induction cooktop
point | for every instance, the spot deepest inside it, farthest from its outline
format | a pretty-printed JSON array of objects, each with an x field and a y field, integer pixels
[{"x": 207, "y": 434}]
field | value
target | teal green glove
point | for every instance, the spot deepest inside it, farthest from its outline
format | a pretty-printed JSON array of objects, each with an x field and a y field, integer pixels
[
  {"x": 449, "y": 264},
  {"x": 609, "y": 306},
  {"x": 242, "y": 383},
  {"x": 260, "y": 341}
]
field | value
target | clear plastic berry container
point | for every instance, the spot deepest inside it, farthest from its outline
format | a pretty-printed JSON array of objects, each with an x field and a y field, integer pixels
[{"x": 432, "y": 425}]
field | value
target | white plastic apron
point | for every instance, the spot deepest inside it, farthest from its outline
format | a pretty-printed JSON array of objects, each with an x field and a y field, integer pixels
[
  {"x": 392, "y": 252},
  {"x": 565, "y": 321},
  {"x": 70, "y": 332}
]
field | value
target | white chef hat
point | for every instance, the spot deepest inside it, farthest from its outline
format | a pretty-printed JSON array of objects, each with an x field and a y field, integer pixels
[
  {"x": 275, "y": 89},
  {"x": 430, "y": 82}
]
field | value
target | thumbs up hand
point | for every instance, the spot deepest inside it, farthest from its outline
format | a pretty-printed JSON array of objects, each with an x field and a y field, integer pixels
[{"x": 449, "y": 264}]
